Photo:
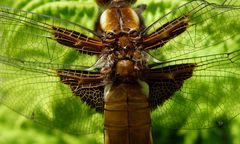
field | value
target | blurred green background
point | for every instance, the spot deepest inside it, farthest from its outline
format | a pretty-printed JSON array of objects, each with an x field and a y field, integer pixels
[{"x": 15, "y": 129}]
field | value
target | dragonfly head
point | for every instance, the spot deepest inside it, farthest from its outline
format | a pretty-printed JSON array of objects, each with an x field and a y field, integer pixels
[
  {"x": 105, "y": 3},
  {"x": 120, "y": 25}
]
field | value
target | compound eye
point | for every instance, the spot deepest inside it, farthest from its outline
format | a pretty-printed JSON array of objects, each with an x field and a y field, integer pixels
[{"x": 134, "y": 34}]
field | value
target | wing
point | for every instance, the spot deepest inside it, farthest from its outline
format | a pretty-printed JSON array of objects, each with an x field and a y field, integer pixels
[
  {"x": 88, "y": 86},
  {"x": 192, "y": 29},
  {"x": 34, "y": 32},
  {"x": 197, "y": 83},
  {"x": 36, "y": 55},
  {"x": 198, "y": 93},
  {"x": 164, "y": 82}
]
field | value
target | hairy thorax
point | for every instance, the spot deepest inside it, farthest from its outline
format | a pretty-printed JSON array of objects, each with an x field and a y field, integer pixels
[{"x": 123, "y": 57}]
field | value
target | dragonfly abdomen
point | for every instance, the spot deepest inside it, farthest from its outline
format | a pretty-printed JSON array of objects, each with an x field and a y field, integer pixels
[{"x": 126, "y": 115}]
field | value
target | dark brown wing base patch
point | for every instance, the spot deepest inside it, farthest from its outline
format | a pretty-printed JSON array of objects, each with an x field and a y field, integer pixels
[
  {"x": 164, "y": 82},
  {"x": 86, "y": 85},
  {"x": 74, "y": 39},
  {"x": 166, "y": 32}
]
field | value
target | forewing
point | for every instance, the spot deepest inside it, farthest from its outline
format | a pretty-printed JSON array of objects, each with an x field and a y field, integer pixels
[
  {"x": 211, "y": 95},
  {"x": 30, "y": 61},
  {"x": 35, "y": 37},
  {"x": 207, "y": 25}
]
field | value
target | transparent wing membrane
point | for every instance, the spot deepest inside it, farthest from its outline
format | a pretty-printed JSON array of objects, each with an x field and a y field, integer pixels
[
  {"x": 32, "y": 37},
  {"x": 30, "y": 58},
  {"x": 209, "y": 93},
  {"x": 44, "y": 62},
  {"x": 208, "y": 25}
]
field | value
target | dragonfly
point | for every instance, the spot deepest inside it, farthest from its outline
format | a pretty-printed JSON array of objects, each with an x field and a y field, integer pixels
[{"x": 181, "y": 71}]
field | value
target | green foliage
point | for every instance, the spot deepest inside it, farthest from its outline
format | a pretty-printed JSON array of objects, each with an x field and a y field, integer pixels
[{"x": 15, "y": 129}]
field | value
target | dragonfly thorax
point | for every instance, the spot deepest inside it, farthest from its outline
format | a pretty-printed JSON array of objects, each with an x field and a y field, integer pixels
[
  {"x": 122, "y": 58},
  {"x": 125, "y": 68},
  {"x": 123, "y": 65}
]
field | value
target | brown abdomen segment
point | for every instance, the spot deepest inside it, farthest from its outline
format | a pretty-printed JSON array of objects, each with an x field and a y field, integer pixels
[{"x": 126, "y": 115}]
